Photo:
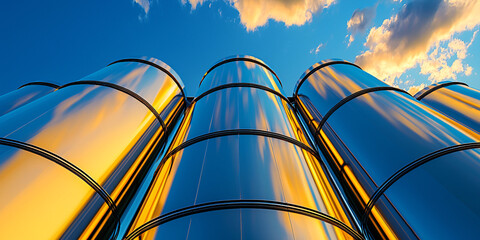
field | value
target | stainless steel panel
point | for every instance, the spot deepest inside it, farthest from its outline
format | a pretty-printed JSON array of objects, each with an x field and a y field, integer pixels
[
  {"x": 248, "y": 108},
  {"x": 240, "y": 69},
  {"x": 38, "y": 196},
  {"x": 243, "y": 224},
  {"x": 446, "y": 190},
  {"x": 457, "y": 101},
  {"x": 23, "y": 95},
  {"x": 109, "y": 135},
  {"x": 263, "y": 157},
  {"x": 371, "y": 137}
]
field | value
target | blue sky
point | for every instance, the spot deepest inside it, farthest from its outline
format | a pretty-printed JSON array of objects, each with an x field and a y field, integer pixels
[{"x": 409, "y": 44}]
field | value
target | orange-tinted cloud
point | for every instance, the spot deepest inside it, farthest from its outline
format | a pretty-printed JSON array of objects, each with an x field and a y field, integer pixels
[
  {"x": 256, "y": 13},
  {"x": 409, "y": 38},
  {"x": 145, "y": 4},
  {"x": 414, "y": 89},
  {"x": 193, "y": 3}
]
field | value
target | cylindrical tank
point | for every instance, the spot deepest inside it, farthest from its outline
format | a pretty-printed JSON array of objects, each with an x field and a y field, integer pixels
[
  {"x": 409, "y": 172},
  {"x": 24, "y": 94},
  {"x": 240, "y": 167},
  {"x": 455, "y": 100},
  {"x": 70, "y": 161}
]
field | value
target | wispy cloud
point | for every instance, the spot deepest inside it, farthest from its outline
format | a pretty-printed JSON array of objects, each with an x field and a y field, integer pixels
[
  {"x": 359, "y": 22},
  {"x": 317, "y": 49},
  {"x": 413, "y": 37},
  {"x": 256, "y": 13},
  {"x": 194, "y": 3},
  {"x": 436, "y": 64},
  {"x": 145, "y": 4}
]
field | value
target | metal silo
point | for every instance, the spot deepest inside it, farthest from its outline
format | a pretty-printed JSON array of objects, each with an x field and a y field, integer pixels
[
  {"x": 70, "y": 161},
  {"x": 455, "y": 100},
  {"x": 410, "y": 172},
  {"x": 241, "y": 167},
  {"x": 24, "y": 94}
]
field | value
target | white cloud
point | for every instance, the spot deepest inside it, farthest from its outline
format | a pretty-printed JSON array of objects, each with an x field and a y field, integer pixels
[
  {"x": 410, "y": 37},
  {"x": 145, "y": 4},
  {"x": 256, "y": 13},
  {"x": 317, "y": 49},
  {"x": 436, "y": 64}
]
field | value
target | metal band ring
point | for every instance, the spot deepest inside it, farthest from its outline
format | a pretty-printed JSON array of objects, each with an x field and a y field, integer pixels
[
  {"x": 240, "y": 132},
  {"x": 156, "y": 66},
  {"x": 52, "y": 85},
  {"x": 351, "y": 97},
  {"x": 408, "y": 168},
  {"x": 247, "y": 85},
  {"x": 73, "y": 169},
  {"x": 301, "y": 81},
  {"x": 241, "y": 204},
  {"x": 245, "y": 59},
  {"x": 438, "y": 87},
  {"x": 124, "y": 90}
]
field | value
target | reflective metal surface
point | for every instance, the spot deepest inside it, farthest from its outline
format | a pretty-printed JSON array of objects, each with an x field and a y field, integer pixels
[
  {"x": 23, "y": 95},
  {"x": 78, "y": 137},
  {"x": 374, "y": 136},
  {"x": 455, "y": 100},
  {"x": 240, "y": 167}
]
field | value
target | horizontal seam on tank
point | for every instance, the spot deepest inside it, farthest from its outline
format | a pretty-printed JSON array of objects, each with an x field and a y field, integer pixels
[
  {"x": 242, "y": 204},
  {"x": 124, "y": 90},
  {"x": 240, "y": 59},
  {"x": 156, "y": 66},
  {"x": 351, "y": 97},
  {"x": 438, "y": 87},
  {"x": 408, "y": 168},
  {"x": 301, "y": 81},
  {"x": 233, "y": 132},
  {"x": 52, "y": 85},
  {"x": 70, "y": 167},
  {"x": 239, "y": 85}
]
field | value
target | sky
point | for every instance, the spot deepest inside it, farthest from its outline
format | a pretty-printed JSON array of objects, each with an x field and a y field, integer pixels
[{"x": 409, "y": 44}]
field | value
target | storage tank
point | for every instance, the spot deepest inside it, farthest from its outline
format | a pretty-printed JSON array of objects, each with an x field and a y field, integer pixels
[
  {"x": 24, "y": 94},
  {"x": 70, "y": 161},
  {"x": 454, "y": 99},
  {"x": 409, "y": 172},
  {"x": 241, "y": 167}
]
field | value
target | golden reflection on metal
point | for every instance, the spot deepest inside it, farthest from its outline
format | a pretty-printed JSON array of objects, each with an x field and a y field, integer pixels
[
  {"x": 292, "y": 174},
  {"x": 16, "y": 205},
  {"x": 415, "y": 120},
  {"x": 101, "y": 131},
  {"x": 330, "y": 147},
  {"x": 21, "y": 96},
  {"x": 158, "y": 192},
  {"x": 397, "y": 111},
  {"x": 357, "y": 186},
  {"x": 21, "y": 101},
  {"x": 457, "y": 105},
  {"x": 377, "y": 216},
  {"x": 155, "y": 198},
  {"x": 332, "y": 202}
]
